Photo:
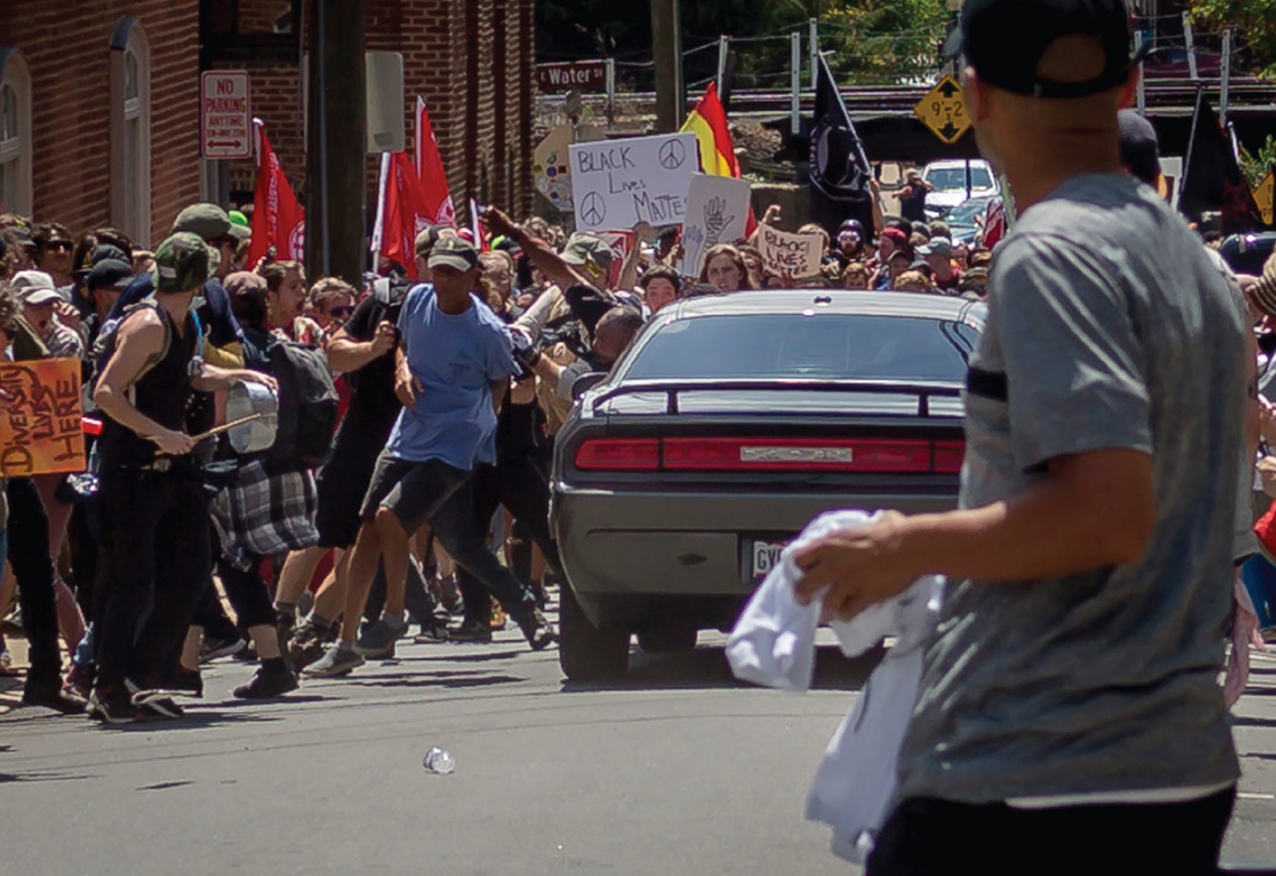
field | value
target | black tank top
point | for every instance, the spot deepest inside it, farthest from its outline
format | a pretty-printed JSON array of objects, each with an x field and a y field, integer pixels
[{"x": 162, "y": 394}]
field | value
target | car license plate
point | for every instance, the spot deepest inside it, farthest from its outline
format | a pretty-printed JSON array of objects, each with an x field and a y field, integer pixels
[{"x": 766, "y": 556}]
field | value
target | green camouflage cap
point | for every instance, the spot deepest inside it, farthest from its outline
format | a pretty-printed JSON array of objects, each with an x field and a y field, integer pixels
[
  {"x": 583, "y": 249},
  {"x": 209, "y": 221},
  {"x": 184, "y": 262}
]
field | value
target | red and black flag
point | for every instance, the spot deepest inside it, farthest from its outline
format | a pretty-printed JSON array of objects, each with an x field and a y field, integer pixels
[{"x": 1212, "y": 178}]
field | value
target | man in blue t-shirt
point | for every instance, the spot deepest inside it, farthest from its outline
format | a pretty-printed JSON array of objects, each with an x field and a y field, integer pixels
[{"x": 452, "y": 370}]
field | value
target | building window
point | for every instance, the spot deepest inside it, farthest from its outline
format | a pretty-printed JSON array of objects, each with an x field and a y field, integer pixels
[
  {"x": 15, "y": 133},
  {"x": 131, "y": 130}
]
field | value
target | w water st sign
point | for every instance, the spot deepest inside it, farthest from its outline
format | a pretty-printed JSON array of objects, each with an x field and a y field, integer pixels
[{"x": 577, "y": 76}]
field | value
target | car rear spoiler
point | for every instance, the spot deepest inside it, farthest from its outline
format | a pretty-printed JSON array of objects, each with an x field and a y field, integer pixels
[{"x": 924, "y": 391}]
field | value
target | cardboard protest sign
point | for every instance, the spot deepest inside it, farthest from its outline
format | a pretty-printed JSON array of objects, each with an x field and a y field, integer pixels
[
  {"x": 618, "y": 183},
  {"x": 790, "y": 255},
  {"x": 41, "y": 431},
  {"x": 550, "y": 168},
  {"x": 717, "y": 212},
  {"x": 621, "y": 243}
]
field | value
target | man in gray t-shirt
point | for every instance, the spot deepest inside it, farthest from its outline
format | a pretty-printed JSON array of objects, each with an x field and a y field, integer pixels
[{"x": 1069, "y": 717}]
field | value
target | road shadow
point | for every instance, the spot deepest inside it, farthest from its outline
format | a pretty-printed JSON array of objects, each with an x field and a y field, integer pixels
[
  {"x": 1242, "y": 721},
  {"x": 708, "y": 668},
  {"x": 196, "y": 719},
  {"x": 285, "y": 700},
  {"x": 7, "y": 778},
  {"x": 445, "y": 678},
  {"x": 484, "y": 657}
]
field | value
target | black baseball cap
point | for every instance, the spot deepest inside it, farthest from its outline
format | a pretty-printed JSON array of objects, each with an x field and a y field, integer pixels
[
  {"x": 110, "y": 274},
  {"x": 1140, "y": 150},
  {"x": 1005, "y": 39}
]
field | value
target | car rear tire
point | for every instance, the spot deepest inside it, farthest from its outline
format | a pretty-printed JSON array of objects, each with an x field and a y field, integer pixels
[
  {"x": 587, "y": 652},
  {"x": 670, "y": 636}
]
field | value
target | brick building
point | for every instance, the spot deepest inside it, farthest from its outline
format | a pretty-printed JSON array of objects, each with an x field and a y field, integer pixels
[{"x": 99, "y": 118}]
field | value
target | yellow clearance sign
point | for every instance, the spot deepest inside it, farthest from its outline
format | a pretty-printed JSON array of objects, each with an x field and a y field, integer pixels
[{"x": 944, "y": 112}]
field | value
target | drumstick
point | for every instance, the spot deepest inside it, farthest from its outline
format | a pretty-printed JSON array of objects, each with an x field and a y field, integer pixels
[{"x": 225, "y": 427}]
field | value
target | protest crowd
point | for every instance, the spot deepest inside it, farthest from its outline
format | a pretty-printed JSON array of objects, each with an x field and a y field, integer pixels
[
  {"x": 400, "y": 479},
  {"x": 396, "y": 522}
]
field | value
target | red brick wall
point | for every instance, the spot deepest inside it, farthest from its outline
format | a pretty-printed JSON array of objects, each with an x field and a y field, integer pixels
[{"x": 68, "y": 57}]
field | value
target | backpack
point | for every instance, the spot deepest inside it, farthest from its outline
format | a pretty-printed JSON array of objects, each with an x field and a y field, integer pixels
[{"x": 307, "y": 405}]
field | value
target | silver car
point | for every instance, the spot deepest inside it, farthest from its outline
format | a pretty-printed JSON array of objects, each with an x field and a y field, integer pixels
[{"x": 730, "y": 423}]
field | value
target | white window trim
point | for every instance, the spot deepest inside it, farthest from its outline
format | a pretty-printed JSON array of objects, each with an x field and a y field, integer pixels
[
  {"x": 15, "y": 74},
  {"x": 130, "y": 38}
]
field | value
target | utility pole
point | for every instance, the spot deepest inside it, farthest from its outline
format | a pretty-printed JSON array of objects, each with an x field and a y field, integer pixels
[
  {"x": 337, "y": 145},
  {"x": 666, "y": 52}
]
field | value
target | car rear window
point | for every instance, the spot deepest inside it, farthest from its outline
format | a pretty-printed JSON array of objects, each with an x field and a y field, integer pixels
[
  {"x": 788, "y": 346},
  {"x": 947, "y": 179}
]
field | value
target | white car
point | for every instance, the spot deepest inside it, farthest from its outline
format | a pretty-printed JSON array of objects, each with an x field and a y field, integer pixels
[{"x": 949, "y": 183}]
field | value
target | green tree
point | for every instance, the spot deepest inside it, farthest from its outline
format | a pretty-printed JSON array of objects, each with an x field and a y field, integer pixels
[
  {"x": 880, "y": 40},
  {"x": 1255, "y": 23}
]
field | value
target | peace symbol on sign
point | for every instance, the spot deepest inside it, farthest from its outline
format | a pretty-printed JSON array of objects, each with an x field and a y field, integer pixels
[
  {"x": 593, "y": 210},
  {"x": 672, "y": 154}
]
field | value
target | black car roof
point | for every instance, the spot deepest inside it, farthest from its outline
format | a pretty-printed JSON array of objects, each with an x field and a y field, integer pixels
[{"x": 780, "y": 301}]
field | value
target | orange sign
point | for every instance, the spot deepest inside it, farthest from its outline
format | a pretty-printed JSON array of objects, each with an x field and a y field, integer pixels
[{"x": 40, "y": 430}]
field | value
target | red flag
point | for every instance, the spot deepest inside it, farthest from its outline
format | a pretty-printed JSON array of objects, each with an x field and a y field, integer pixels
[
  {"x": 405, "y": 212},
  {"x": 429, "y": 169},
  {"x": 278, "y": 220}
]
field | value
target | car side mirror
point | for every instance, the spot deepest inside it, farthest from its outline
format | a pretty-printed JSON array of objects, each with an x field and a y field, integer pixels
[{"x": 587, "y": 381}]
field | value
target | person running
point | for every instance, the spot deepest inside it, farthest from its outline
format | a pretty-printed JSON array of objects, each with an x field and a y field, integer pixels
[
  {"x": 1069, "y": 717},
  {"x": 453, "y": 365},
  {"x": 155, "y": 516}
]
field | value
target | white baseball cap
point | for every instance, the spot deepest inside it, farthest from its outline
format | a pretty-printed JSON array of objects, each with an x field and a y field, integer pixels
[{"x": 35, "y": 288}]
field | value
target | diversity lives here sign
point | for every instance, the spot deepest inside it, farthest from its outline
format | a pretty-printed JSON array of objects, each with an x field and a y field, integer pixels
[
  {"x": 41, "y": 430},
  {"x": 618, "y": 183}
]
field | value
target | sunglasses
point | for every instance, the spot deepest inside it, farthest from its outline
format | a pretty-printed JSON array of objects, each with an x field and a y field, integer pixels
[{"x": 341, "y": 312}]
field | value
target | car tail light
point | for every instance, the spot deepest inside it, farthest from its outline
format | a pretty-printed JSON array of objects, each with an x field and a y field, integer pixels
[
  {"x": 619, "y": 454},
  {"x": 949, "y": 455},
  {"x": 797, "y": 454}
]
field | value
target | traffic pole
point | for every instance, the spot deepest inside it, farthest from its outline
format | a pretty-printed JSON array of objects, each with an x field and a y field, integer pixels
[
  {"x": 337, "y": 145},
  {"x": 666, "y": 52}
]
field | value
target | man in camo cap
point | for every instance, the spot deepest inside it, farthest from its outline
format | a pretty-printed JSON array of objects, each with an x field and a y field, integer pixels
[{"x": 155, "y": 515}]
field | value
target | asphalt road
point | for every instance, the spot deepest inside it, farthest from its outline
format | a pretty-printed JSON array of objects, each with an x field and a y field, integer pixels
[{"x": 678, "y": 771}]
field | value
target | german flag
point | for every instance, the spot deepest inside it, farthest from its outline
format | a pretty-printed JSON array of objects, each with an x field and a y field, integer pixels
[{"x": 708, "y": 121}]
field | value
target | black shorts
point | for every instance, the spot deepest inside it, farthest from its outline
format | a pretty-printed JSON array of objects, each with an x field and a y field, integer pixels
[
  {"x": 342, "y": 483},
  {"x": 412, "y": 490}
]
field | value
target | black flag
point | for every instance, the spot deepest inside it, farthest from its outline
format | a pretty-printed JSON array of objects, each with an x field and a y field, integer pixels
[
  {"x": 1212, "y": 178},
  {"x": 839, "y": 168}
]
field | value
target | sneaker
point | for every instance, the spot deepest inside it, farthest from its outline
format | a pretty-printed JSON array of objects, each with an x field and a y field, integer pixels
[
  {"x": 215, "y": 649},
  {"x": 79, "y": 680},
  {"x": 51, "y": 695},
  {"x": 433, "y": 631},
  {"x": 307, "y": 645},
  {"x": 185, "y": 683},
  {"x": 267, "y": 685},
  {"x": 450, "y": 596},
  {"x": 160, "y": 707},
  {"x": 336, "y": 661},
  {"x": 379, "y": 637},
  {"x": 112, "y": 705},
  {"x": 470, "y": 632},
  {"x": 537, "y": 630}
]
